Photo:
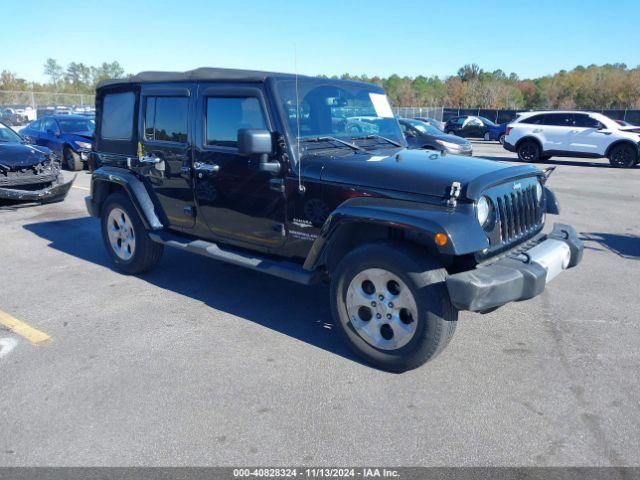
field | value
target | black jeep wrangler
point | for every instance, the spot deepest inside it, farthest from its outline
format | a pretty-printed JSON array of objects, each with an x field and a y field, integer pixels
[{"x": 309, "y": 179}]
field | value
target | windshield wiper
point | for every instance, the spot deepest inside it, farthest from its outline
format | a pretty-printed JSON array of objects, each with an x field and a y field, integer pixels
[
  {"x": 369, "y": 137},
  {"x": 334, "y": 139}
]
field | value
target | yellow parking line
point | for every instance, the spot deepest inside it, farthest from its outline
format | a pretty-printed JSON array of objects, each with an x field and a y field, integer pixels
[
  {"x": 81, "y": 188},
  {"x": 34, "y": 335}
]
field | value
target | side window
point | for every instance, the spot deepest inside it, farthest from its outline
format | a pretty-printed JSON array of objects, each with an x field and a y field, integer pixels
[
  {"x": 117, "y": 116},
  {"x": 534, "y": 120},
  {"x": 166, "y": 119},
  {"x": 226, "y": 115},
  {"x": 586, "y": 121},
  {"x": 50, "y": 125},
  {"x": 403, "y": 128},
  {"x": 37, "y": 125},
  {"x": 559, "y": 119}
]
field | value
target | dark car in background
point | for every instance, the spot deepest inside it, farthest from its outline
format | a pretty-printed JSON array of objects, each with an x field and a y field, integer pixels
[
  {"x": 29, "y": 173},
  {"x": 422, "y": 135},
  {"x": 69, "y": 136},
  {"x": 496, "y": 133},
  {"x": 468, "y": 126}
]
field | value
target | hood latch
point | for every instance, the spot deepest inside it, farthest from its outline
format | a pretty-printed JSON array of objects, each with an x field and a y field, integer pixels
[{"x": 454, "y": 194}]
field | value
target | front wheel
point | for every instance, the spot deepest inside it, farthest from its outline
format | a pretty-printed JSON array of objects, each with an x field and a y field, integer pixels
[
  {"x": 125, "y": 237},
  {"x": 72, "y": 160},
  {"x": 623, "y": 156},
  {"x": 529, "y": 151},
  {"x": 391, "y": 305},
  {"x": 501, "y": 139}
]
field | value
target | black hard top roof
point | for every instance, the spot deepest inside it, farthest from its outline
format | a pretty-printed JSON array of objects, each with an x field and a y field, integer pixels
[{"x": 199, "y": 74}]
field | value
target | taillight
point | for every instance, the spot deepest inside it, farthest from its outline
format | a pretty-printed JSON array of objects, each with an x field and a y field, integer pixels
[{"x": 507, "y": 131}]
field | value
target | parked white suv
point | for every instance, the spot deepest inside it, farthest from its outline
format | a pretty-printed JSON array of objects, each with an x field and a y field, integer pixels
[{"x": 537, "y": 136}]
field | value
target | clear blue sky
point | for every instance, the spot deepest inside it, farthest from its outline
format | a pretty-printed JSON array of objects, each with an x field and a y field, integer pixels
[{"x": 411, "y": 37}]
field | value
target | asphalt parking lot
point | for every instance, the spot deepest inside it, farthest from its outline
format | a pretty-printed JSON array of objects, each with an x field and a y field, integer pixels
[{"x": 202, "y": 363}]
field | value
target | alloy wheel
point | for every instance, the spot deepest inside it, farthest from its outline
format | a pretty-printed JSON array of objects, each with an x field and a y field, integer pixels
[
  {"x": 121, "y": 235},
  {"x": 382, "y": 309}
]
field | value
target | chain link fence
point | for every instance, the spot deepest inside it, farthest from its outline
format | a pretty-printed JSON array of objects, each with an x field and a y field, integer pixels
[
  {"x": 413, "y": 112},
  {"x": 21, "y": 107},
  {"x": 443, "y": 114}
]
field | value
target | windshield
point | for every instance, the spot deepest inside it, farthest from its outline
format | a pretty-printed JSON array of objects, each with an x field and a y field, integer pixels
[
  {"x": 425, "y": 128},
  {"x": 8, "y": 135},
  {"x": 76, "y": 125},
  {"x": 487, "y": 122},
  {"x": 338, "y": 109}
]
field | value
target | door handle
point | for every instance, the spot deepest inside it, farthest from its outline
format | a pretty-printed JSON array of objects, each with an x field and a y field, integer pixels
[
  {"x": 149, "y": 160},
  {"x": 537, "y": 130},
  {"x": 203, "y": 168}
]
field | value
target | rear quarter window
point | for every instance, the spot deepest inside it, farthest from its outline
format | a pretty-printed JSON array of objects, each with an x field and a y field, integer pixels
[{"x": 117, "y": 116}]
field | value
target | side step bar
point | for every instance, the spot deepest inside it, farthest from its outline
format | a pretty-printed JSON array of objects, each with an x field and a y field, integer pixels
[{"x": 283, "y": 269}]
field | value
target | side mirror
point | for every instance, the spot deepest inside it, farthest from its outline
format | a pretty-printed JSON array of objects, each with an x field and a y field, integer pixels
[{"x": 254, "y": 141}]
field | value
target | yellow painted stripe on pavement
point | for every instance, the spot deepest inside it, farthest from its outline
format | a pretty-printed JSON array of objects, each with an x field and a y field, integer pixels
[
  {"x": 34, "y": 335},
  {"x": 81, "y": 188}
]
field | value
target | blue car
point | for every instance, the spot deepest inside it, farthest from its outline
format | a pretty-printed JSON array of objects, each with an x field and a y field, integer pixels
[
  {"x": 496, "y": 132},
  {"x": 68, "y": 136}
]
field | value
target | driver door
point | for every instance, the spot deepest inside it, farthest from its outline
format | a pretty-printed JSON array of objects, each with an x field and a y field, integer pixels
[{"x": 239, "y": 203}]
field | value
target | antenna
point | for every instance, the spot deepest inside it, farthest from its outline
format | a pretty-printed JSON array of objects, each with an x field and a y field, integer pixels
[{"x": 301, "y": 187}]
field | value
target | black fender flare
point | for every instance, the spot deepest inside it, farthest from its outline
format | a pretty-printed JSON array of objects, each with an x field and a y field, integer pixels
[
  {"x": 459, "y": 224},
  {"x": 133, "y": 187}
]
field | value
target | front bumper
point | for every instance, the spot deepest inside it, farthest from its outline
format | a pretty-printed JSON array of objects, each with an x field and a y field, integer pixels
[
  {"x": 519, "y": 276},
  {"x": 54, "y": 193}
]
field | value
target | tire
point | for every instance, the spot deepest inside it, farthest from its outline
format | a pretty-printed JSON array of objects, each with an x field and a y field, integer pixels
[
  {"x": 72, "y": 160},
  {"x": 501, "y": 139},
  {"x": 419, "y": 330},
  {"x": 529, "y": 151},
  {"x": 131, "y": 249},
  {"x": 450, "y": 132},
  {"x": 486, "y": 137},
  {"x": 623, "y": 156}
]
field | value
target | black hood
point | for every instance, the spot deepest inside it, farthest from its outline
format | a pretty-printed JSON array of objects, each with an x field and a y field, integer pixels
[
  {"x": 415, "y": 171},
  {"x": 19, "y": 155}
]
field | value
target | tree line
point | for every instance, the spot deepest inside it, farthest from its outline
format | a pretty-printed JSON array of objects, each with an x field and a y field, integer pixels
[{"x": 609, "y": 86}]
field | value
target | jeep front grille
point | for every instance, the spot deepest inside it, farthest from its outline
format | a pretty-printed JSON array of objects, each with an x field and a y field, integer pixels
[{"x": 519, "y": 213}]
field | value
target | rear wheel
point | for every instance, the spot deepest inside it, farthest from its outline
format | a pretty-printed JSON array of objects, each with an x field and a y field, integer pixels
[
  {"x": 391, "y": 305},
  {"x": 501, "y": 139},
  {"x": 486, "y": 137},
  {"x": 529, "y": 151},
  {"x": 72, "y": 160},
  {"x": 623, "y": 156},
  {"x": 450, "y": 132},
  {"x": 125, "y": 237}
]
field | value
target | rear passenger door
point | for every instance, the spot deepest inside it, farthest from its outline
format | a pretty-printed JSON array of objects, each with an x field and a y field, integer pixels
[
  {"x": 553, "y": 131},
  {"x": 239, "y": 203},
  {"x": 164, "y": 152}
]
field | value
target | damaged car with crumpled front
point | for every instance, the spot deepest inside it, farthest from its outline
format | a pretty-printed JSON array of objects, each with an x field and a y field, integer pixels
[{"x": 29, "y": 173}]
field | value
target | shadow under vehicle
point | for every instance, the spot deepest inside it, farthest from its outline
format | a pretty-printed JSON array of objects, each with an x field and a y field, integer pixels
[{"x": 262, "y": 170}]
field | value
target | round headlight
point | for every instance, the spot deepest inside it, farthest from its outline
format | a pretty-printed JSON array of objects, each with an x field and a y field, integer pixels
[
  {"x": 538, "y": 191},
  {"x": 483, "y": 209}
]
